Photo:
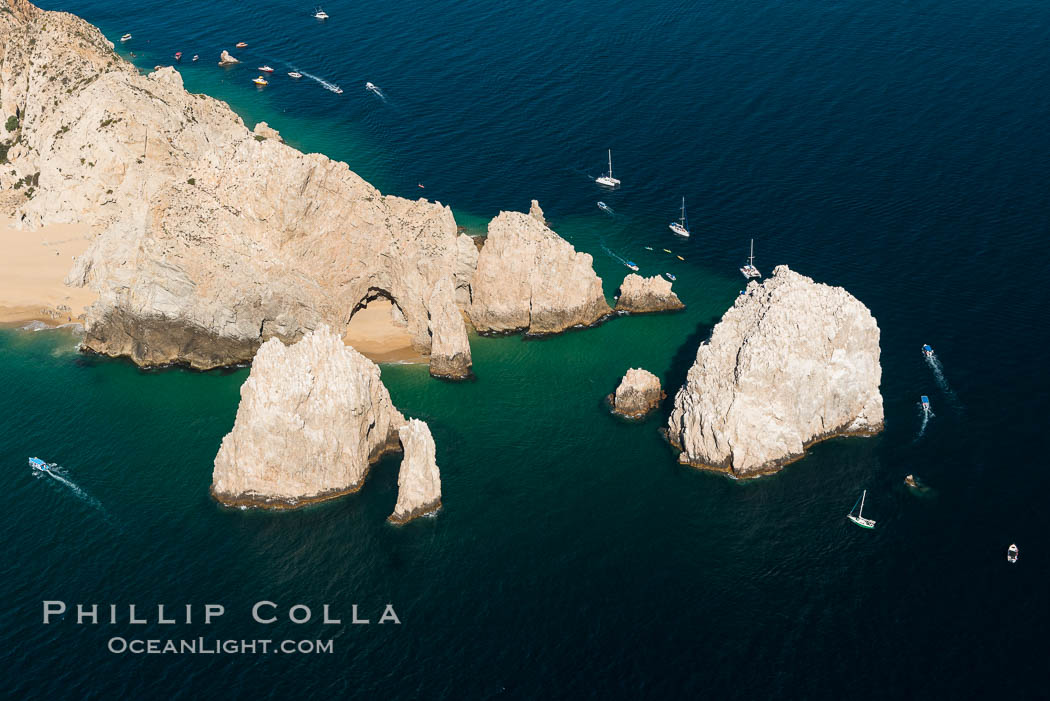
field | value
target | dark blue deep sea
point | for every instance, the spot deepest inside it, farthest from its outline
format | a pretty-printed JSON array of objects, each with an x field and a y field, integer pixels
[{"x": 898, "y": 149}]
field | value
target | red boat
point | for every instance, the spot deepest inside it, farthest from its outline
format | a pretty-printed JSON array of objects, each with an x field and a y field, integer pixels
[{"x": 178, "y": 55}]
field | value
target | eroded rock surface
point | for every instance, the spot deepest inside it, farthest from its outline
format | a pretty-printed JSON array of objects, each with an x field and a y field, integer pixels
[
  {"x": 640, "y": 295},
  {"x": 419, "y": 481},
  {"x": 530, "y": 279},
  {"x": 638, "y": 393},
  {"x": 450, "y": 349},
  {"x": 791, "y": 363},
  {"x": 313, "y": 416}
]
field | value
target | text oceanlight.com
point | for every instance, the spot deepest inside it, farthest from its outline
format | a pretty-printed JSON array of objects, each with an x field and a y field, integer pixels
[{"x": 200, "y": 646}]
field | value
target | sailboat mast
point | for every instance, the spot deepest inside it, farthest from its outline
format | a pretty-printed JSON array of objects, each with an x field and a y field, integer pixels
[
  {"x": 862, "y": 496},
  {"x": 751, "y": 260},
  {"x": 683, "y": 210},
  {"x": 610, "y": 163}
]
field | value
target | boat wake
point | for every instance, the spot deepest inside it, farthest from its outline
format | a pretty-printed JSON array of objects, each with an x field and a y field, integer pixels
[
  {"x": 59, "y": 474},
  {"x": 621, "y": 259},
  {"x": 926, "y": 415},
  {"x": 320, "y": 81},
  {"x": 938, "y": 375},
  {"x": 374, "y": 89}
]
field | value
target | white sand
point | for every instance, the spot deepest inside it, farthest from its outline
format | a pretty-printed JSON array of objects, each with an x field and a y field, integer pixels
[{"x": 33, "y": 265}]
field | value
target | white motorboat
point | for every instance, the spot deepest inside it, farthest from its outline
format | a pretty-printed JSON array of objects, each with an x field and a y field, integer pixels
[
  {"x": 320, "y": 14},
  {"x": 632, "y": 265},
  {"x": 38, "y": 464},
  {"x": 295, "y": 74},
  {"x": 126, "y": 37},
  {"x": 749, "y": 271},
  {"x": 608, "y": 180},
  {"x": 265, "y": 69},
  {"x": 670, "y": 277},
  {"x": 605, "y": 208},
  {"x": 680, "y": 227},
  {"x": 1011, "y": 553}
]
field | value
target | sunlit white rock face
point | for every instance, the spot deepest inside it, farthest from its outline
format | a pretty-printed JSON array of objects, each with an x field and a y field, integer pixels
[
  {"x": 792, "y": 362},
  {"x": 313, "y": 416},
  {"x": 640, "y": 295},
  {"x": 419, "y": 482},
  {"x": 637, "y": 394}
]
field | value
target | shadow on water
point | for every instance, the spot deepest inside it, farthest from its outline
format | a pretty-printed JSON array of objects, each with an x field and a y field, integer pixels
[{"x": 683, "y": 359}]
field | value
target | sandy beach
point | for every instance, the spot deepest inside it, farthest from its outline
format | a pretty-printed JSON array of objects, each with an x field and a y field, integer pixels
[
  {"x": 373, "y": 333},
  {"x": 33, "y": 265}
]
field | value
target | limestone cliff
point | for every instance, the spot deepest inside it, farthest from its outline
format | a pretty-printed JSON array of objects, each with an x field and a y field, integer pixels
[
  {"x": 450, "y": 349},
  {"x": 637, "y": 394},
  {"x": 313, "y": 416},
  {"x": 213, "y": 238},
  {"x": 791, "y": 363},
  {"x": 419, "y": 481},
  {"x": 640, "y": 295},
  {"x": 530, "y": 279}
]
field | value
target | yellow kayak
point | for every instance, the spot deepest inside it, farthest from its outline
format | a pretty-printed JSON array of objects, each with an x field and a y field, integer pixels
[
  {"x": 679, "y": 257},
  {"x": 666, "y": 251}
]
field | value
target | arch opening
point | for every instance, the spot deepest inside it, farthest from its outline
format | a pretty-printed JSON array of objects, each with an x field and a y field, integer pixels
[{"x": 377, "y": 329}]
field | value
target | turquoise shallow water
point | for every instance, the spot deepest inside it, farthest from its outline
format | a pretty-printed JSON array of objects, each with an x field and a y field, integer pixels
[{"x": 891, "y": 149}]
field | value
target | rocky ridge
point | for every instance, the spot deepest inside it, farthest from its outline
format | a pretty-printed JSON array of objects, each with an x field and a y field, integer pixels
[
  {"x": 637, "y": 394},
  {"x": 641, "y": 295}
]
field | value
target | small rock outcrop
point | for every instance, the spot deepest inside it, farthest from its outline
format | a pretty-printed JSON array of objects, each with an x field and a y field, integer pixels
[
  {"x": 640, "y": 295},
  {"x": 530, "y": 279},
  {"x": 225, "y": 59},
  {"x": 419, "y": 481},
  {"x": 449, "y": 348},
  {"x": 639, "y": 393},
  {"x": 313, "y": 416},
  {"x": 537, "y": 213},
  {"x": 792, "y": 362},
  {"x": 266, "y": 131}
]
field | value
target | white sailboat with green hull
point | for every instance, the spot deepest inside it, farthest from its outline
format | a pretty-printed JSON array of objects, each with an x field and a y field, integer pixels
[{"x": 859, "y": 518}]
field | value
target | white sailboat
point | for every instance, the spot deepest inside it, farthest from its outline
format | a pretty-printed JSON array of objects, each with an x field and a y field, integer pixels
[
  {"x": 608, "y": 180},
  {"x": 749, "y": 271},
  {"x": 859, "y": 518},
  {"x": 680, "y": 227}
]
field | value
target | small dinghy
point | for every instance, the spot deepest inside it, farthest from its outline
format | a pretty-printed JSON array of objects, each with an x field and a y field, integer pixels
[
  {"x": 240, "y": 44},
  {"x": 859, "y": 518},
  {"x": 670, "y": 277},
  {"x": 265, "y": 69},
  {"x": 195, "y": 57},
  {"x": 608, "y": 180},
  {"x": 295, "y": 74},
  {"x": 927, "y": 351},
  {"x": 38, "y": 464},
  {"x": 632, "y": 265},
  {"x": 260, "y": 81},
  {"x": 126, "y": 37},
  {"x": 178, "y": 55},
  {"x": 1011, "y": 553},
  {"x": 925, "y": 401},
  {"x": 605, "y": 208}
]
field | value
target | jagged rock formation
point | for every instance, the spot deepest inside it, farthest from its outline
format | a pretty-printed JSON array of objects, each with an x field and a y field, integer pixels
[
  {"x": 791, "y": 363},
  {"x": 450, "y": 350},
  {"x": 313, "y": 416},
  {"x": 530, "y": 279},
  {"x": 537, "y": 213},
  {"x": 419, "y": 482},
  {"x": 266, "y": 131},
  {"x": 213, "y": 238},
  {"x": 225, "y": 59},
  {"x": 639, "y": 295},
  {"x": 638, "y": 393}
]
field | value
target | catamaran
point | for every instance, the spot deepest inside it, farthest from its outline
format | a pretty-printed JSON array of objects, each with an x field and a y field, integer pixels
[
  {"x": 680, "y": 227},
  {"x": 927, "y": 351},
  {"x": 925, "y": 403},
  {"x": 38, "y": 464},
  {"x": 1011, "y": 553},
  {"x": 320, "y": 14},
  {"x": 859, "y": 518},
  {"x": 749, "y": 271},
  {"x": 608, "y": 180}
]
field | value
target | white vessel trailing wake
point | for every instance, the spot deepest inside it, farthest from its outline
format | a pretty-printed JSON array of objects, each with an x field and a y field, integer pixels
[{"x": 321, "y": 81}]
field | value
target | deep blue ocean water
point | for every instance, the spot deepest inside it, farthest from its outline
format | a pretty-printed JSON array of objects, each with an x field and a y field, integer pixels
[{"x": 896, "y": 149}]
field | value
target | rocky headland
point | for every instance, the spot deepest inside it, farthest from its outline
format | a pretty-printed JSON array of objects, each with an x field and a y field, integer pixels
[
  {"x": 419, "y": 481},
  {"x": 643, "y": 295},
  {"x": 530, "y": 279},
  {"x": 638, "y": 393},
  {"x": 792, "y": 362},
  {"x": 313, "y": 417}
]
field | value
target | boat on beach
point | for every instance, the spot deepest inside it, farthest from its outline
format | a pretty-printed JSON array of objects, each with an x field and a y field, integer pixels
[
  {"x": 1012, "y": 552},
  {"x": 38, "y": 464},
  {"x": 749, "y": 271},
  {"x": 126, "y": 37},
  {"x": 680, "y": 227},
  {"x": 859, "y": 517},
  {"x": 608, "y": 180},
  {"x": 260, "y": 81}
]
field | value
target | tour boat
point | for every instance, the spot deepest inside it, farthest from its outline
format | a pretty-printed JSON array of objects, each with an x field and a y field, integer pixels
[
  {"x": 604, "y": 207},
  {"x": 680, "y": 227},
  {"x": 374, "y": 88},
  {"x": 38, "y": 464},
  {"x": 670, "y": 277},
  {"x": 178, "y": 55},
  {"x": 260, "y": 81},
  {"x": 295, "y": 74},
  {"x": 749, "y": 270},
  {"x": 1011, "y": 553},
  {"x": 240, "y": 44},
  {"x": 337, "y": 90},
  {"x": 927, "y": 351},
  {"x": 608, "y": 180},
  {"x": 195, "y": 57},
  {"x": 859, "y": 518},
  {"x": 320, "y": 14},
  {"x": 265, "y": 69},
  {"x": 126, "y": 37},
  {"x": 632, "y": 265},
  {"x": 925, "y": 402}
]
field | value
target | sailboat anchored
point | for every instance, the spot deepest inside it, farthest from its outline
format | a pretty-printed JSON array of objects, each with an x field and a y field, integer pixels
[
  {"x": 859, "y": 518},
  {"x": 749, "y": 271},
  {"x": 608, "y": 180},
  {"x": 680, "y": 227}
]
